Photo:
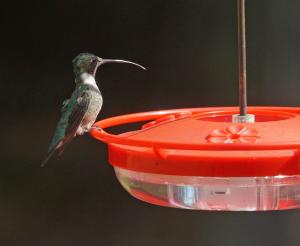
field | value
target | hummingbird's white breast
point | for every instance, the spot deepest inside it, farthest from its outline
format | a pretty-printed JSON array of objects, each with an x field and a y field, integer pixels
[
  {"x": 88, "y": 79},
  {"x": 95, "y": 103}
]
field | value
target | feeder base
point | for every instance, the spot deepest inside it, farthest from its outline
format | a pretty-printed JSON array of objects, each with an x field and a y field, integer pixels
[{"x": 213, "y": 193}]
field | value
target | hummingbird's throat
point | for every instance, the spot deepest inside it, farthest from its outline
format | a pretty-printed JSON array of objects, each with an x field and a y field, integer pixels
[{"x": 87, "y": 79}]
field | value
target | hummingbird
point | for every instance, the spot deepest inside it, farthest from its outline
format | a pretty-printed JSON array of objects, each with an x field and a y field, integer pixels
[{"x": 79, "y": 112}]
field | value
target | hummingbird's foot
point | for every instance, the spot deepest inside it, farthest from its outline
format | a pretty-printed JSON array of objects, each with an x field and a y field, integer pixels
[{"x": 96, "y": 128}]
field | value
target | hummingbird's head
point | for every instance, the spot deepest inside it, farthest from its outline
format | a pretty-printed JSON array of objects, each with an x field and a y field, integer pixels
[{"x": 88, "y": 63}]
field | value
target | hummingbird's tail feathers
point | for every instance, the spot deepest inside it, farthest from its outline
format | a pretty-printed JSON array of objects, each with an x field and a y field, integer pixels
[
  {"x": 63, "y": 146},
  {"x": 64, "y": 143},
  {"x": 48, "y": 157},
  {"x": 60, "y": 151},
  {"x": 57, "y": 149}
]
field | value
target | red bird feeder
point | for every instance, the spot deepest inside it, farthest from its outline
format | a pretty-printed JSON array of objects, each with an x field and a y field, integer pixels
[
  {"x": 199, "y": 159},
  {"x": 210, "y": 158}
]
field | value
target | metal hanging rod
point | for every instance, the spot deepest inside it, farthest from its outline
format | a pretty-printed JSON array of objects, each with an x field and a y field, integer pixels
[{"x": 242, "y": 57}]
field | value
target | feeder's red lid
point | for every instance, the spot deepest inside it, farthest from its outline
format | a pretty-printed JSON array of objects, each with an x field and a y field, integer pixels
[{"x": 205, "y": 142}]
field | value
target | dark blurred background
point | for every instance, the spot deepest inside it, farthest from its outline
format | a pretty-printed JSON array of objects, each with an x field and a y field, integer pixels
[{"x": 189, "y": 48}]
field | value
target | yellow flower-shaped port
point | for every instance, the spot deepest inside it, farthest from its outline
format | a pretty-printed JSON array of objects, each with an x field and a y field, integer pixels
[{"x": 234, "y": 134}]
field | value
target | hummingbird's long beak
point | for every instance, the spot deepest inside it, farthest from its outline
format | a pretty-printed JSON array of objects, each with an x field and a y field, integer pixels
[{"x": 121, "y": 61}]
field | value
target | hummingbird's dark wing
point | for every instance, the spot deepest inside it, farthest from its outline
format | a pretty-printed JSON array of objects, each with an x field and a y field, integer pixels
[
  {"x": 77, "y": 115},
  {"x": 65, "y": 105},
  {"x": 71, "y": 123}
]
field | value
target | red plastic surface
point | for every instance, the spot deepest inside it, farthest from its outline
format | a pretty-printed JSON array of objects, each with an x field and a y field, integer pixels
[{"x": 204, "y": 142}]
